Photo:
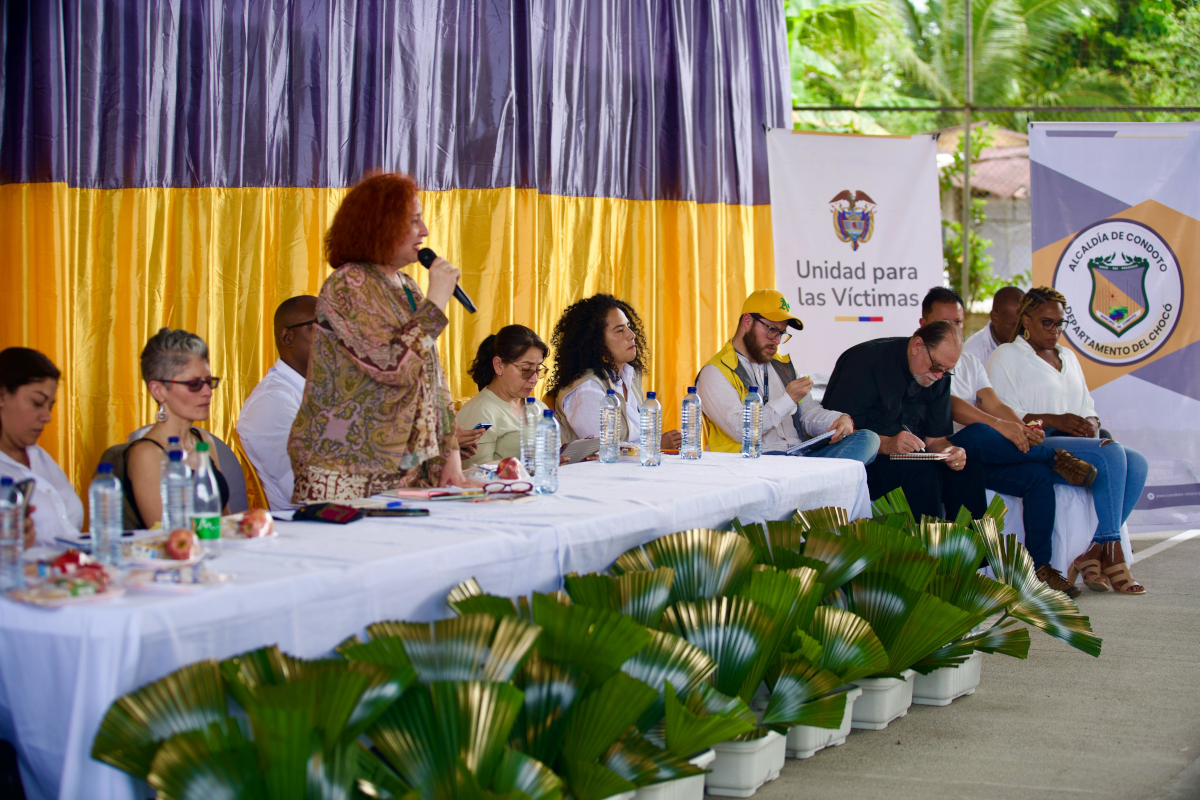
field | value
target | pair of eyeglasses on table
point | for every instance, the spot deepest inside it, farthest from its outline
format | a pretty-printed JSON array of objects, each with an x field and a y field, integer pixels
[{"x": 514, "y": 488}]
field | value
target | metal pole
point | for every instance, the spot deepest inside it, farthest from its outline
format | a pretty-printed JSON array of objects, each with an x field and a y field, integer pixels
[{"x": 968, "y": 99}]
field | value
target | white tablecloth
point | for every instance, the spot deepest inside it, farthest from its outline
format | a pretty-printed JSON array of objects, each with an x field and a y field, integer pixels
[{"x": 316, "y": 584}]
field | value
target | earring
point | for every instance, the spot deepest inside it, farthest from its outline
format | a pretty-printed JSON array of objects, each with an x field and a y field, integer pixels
[
  {"x": 1025, "y": 334},
  {"x": 161, "y": 416}
]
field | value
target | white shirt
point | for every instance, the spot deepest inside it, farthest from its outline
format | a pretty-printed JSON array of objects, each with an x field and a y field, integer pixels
[
  {"x": 981, "y": 344},
  {"x": 59, "y": 511},
  {"x": 1028, "y": 385},
  {"x": 969, "y": 378},
  {"x": 722, "y": 405},
  {"x": 264, "y": 425},
  {"x": 581, "y": 406}
]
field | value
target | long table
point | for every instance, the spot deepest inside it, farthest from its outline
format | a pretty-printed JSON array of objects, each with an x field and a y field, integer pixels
[{"x": 316, "y": 584}]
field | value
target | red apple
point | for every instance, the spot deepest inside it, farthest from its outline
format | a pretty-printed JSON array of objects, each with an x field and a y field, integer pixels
[
  {"x": 256, "y": 522},
  {"x": 181, "y": 544},
  {"x": 509, "y": 469}
]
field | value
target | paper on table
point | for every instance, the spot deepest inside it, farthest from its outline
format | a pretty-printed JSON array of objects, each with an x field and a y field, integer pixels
[{"x": 919, "y": 456}]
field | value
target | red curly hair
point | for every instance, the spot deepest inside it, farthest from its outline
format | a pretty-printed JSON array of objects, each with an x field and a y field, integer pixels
[{"x": 371, "y": 221}]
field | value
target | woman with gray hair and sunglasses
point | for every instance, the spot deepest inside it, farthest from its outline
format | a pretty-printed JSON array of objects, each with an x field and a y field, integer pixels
[{"x": 175, "y": 368}]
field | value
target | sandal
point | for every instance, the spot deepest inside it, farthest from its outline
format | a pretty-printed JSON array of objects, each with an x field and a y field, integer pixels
[
  {"x": 1117, "y": 572},
  {"x": 1088, "y": 564}
]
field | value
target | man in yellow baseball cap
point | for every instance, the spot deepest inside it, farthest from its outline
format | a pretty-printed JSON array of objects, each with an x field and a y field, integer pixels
[{"x": 789, "y": 416}]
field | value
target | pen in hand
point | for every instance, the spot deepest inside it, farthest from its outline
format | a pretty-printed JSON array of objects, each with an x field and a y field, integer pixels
[{"x": 922, "y": 442}]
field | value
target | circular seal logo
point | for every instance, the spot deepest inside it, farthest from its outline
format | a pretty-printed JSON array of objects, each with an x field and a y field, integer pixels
[{"x": 1124, "y": 291}]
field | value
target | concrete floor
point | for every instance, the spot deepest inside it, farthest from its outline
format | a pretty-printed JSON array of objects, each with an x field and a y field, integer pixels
[{"x": 1060, "y": 724}]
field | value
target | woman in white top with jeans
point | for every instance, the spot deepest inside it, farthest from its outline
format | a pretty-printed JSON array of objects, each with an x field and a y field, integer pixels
[
  {"x": 28, "y": 388},
  {"x": 598, "y": 345},
  {"x": 1042, "y": 381}
]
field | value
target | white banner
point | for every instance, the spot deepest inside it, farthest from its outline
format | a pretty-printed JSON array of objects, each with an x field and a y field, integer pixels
[
  {"x": 858, "y": 242},
  {"x": 1116, "y": 229}
]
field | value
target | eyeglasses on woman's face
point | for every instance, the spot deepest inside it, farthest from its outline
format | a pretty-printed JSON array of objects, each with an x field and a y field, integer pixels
[
  {"x": 528, "y": 372},
  {"x": 774, "y": 334},
  {"x": 196, "y": 384},
  {"x": 1049, "y": 325}
]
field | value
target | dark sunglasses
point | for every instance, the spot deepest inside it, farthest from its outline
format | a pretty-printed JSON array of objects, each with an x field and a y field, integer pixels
[
  {"x": 196, "y": 384},
  {"x": 947, "y": 372}
]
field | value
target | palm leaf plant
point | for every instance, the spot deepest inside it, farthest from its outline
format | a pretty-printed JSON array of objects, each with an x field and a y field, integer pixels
[
  {"x": 298, "y": 738},
  {"x": 707, "y": 563},
  {"x": 641, "y": 595},
  {"x": 1036, "y": 603},
  {"x": 811, "y": 540}
]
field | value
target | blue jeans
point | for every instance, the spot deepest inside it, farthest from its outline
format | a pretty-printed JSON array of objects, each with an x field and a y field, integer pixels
[
  {"x": 1120, "y": 478},
  {"x": 1025, "y": 475},
  {"x": 861, "y": 446}
]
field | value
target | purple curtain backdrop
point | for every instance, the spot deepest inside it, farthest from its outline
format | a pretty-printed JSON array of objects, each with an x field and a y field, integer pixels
[{"x": 637, "y": 99}]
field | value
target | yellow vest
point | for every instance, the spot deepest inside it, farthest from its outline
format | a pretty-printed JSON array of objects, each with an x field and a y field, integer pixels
[{"x": 726, "y": 361}]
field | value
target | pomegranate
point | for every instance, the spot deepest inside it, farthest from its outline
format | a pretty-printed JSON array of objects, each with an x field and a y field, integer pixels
[
  {"x": 256, "y": 522},
  {"x": 509, "y": 469},
  {"x": 181, "y": 545}
]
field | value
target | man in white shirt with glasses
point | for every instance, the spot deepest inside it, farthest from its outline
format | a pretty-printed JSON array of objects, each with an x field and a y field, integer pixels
[{"x": 266, "y": 417}]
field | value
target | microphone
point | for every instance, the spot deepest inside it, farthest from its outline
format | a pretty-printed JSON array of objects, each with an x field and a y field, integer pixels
[{"x": 426, "y": 257}]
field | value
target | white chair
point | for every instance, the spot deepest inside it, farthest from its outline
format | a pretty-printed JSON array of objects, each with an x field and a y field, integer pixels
[
  {"x": 1074, "y": 523},
  {"x": 229, "y": 465}
]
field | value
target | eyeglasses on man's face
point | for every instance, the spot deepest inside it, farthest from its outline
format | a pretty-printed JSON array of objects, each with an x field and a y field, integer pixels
[
  {"x": 936, "y": 367},
  {"x": 196, "y": 384},
  {"x": 774, "y": 334},
  {"x": 301, "y": 324}
]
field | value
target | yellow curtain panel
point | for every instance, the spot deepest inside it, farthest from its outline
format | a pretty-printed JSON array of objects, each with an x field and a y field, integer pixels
[{"x": 91, "y": 274}]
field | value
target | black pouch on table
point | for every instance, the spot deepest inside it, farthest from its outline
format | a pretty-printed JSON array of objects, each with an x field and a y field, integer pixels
[{"x": 327, "y": 512}]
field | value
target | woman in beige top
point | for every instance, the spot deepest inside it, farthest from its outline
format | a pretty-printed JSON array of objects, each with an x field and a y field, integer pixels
[{"x": 506, "y": 369}]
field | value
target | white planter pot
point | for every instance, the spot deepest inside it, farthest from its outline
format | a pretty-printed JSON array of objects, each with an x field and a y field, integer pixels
[
  {"x": 741, "y": 767},
  {"x": 882, "y": 700},
  {"x": 942, "y": 686},
  {"x": 621, "y": 796},
  {"x": 690, "y": 788},
  {"x": 803, "y": 741}
]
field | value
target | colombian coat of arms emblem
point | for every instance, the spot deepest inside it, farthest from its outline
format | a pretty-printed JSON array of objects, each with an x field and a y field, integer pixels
[{"x": 853, "y": 217}]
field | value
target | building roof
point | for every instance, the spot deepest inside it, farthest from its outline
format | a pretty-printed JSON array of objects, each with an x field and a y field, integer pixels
[{"x": 1002, "y": 169}]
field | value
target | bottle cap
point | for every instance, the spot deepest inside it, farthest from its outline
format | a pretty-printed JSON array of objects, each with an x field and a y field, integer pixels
[
  {"x": 104, "y": 468},
  {"x": 548, "y": 414},
  {"x": 754, "y": 388},
  {"x": 651, "y": 395},
  {"x": 530, "y": 400},
  {"x": 202, "y": 447},
  {"x": 175, "y": 455},
  {"x": 172, "y": 440},
  {"x": 6, "y": 481},
  {"x": 611, "y": 391},
  {"x": 691, "y": 390}
]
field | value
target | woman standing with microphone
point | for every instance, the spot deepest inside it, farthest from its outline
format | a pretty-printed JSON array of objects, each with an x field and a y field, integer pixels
[{"x": 377, "y": 412}]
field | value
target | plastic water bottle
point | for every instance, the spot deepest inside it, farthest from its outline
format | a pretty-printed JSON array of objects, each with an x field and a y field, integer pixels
[
  {"x": 650, "y": 433},
  {"x": 545, "y": 478},
  {"x": 105, "y": 508},
  {"x": 610, "y": 439},
  {"x": 752, "y": 424},
  {"x": 689, "y": 413},
  {"x": 12, "y": 536},
  {"x": 206, "y": 504},
  {"x": 529, "y": 424},
  {"x": 177, "y": 493},
  {"x": 163, "y": 460}
]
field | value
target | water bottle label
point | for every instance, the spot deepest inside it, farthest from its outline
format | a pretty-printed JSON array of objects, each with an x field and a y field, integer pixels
[{"x": 206, "y": 528}]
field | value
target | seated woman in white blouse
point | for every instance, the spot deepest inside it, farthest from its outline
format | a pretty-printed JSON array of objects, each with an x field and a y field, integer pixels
[
  {"x": 28, "y": 388},
  {"x": 506, "y": 369},
  {"x": 1042, "y": 381},
  {"x": 599, "y": 345}
]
